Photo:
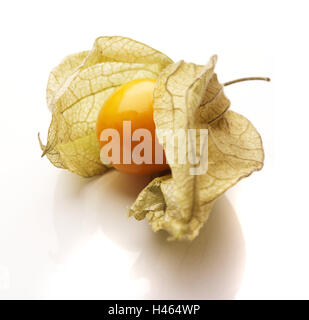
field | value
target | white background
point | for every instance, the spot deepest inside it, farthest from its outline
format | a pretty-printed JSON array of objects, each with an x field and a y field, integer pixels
[{"x": 62, "y": 236}]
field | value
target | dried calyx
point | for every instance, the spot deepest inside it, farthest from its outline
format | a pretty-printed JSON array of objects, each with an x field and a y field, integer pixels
[{"x": 186, "y": 96}]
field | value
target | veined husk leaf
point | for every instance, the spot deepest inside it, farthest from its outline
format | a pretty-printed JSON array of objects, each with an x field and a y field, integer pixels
[
  {"x": 60, "y": 74},
  {"x": 156, "y": 203},
  {"x": 77, "y": 89},
  {"x": 188, "y": 96},
  {"x": 214, "y": 103},
  {"x": 82, "y": 156}
]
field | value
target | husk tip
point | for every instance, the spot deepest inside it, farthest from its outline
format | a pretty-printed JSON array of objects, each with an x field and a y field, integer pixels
[{"x": 42, "y": 146}]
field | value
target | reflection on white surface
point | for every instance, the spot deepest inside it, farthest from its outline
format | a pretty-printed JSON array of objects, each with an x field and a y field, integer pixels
[
  {"x": 103, "y": 254},
  {"x": 96, "y": 269},
  {"x": 211, "y": 267}
]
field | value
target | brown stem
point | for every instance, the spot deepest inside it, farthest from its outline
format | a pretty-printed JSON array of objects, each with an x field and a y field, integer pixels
[{"x": 245, "y": 79}]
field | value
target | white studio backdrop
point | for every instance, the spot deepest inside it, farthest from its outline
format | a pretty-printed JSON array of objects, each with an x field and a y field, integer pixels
[{"x": 62, "y": 236}]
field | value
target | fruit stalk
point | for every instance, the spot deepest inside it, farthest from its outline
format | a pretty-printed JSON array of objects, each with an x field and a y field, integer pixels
[{"x": 245, "y": 79}]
